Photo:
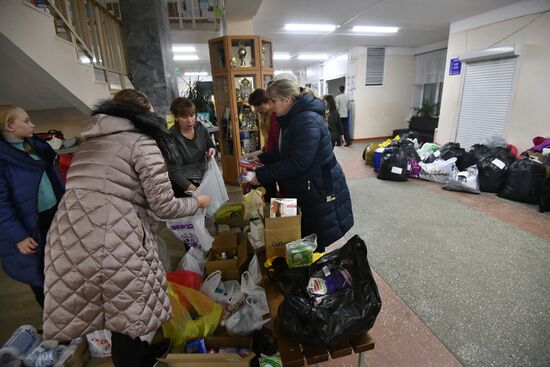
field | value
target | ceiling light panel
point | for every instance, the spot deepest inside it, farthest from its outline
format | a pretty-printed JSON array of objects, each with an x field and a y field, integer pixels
[
  {"x": 181, "y": 48},
  {"x": 312, "y": 56},
  {"x": 374, "y": 29},
  {"x": 185, "y": 57},
  {"x": 281, "y": 56}
]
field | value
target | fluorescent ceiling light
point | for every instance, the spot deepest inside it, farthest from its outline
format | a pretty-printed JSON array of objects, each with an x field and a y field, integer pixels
[
  {"x": 310, "y": 27},
  {"x": 177, "y": 48},
  {"x": 185, "y": 57},
  {"x": 277, "y": 72},
  {"x": 86, "y": 60},
  {"x": 312, "y": 56},
  {"x": 373, "y": 29},
  {"x": 281, "y": 56},
  {"x": 195, "y": 73}
]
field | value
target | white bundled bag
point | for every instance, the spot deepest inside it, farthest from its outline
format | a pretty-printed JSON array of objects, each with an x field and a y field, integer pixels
[
  {"x": 254, "y": 270},
  {"x": 99, "y": 343},
  {"x": 212, "y": 185},
  {"x": 466, "y": 181},
  {"x": 437, "y": 171},
  {"x": 192, "y": 230}
]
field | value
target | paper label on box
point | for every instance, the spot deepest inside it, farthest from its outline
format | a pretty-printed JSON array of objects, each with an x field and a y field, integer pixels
[
  {"x": 497, "y": 162},
  {"x": 437, "y": 153},
  {"x": 397, "y": 170},
  {"x": 408, "y": 167}
]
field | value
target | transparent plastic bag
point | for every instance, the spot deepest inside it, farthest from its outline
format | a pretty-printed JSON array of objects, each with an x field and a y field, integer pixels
[
  {"x": 192, "y": 230},
  {"x": 213, "y": 185},
  {"x": 195, "y": 315},
  {"x": 253, "y": 203},
  {"x": 300, "y": 252},
  {"x": 466, "y": 181}
]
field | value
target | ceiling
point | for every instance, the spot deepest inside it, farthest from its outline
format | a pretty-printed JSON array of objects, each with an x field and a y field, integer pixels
[{"x": 421, "y": 22}]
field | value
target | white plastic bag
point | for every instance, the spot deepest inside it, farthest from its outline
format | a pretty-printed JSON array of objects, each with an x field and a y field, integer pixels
[
  {"x": 212, "y": 185},
  {"x": 254, "y": 270},
  {"x": 99, "y": 343},
  {"x": 250, "y": 316},
  {"x": 437, "y": 171},
  {"x": 194, "y": 260},
  {"x": 214, "y": 288},
  {"x": 233, "y": 291},
  {"x": 192, "y": 230}
]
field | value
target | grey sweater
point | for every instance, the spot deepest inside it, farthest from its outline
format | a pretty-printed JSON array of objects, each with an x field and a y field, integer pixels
[{"x": 192, "y": 152}]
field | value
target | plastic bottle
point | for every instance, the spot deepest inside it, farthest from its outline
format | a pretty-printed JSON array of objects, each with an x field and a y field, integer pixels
[{"x": 23, "y": 340}]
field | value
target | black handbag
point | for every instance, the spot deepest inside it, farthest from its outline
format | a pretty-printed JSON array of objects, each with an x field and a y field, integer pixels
[{"x": 338, "y": 316}]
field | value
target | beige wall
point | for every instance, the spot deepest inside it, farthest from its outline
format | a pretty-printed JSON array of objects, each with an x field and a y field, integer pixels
[
  {"x": 380, "y": 110},
  {"x": 530, "y": 114},
  {"x": 68, "y": 120},
  {"x": 240, "y": 27}
]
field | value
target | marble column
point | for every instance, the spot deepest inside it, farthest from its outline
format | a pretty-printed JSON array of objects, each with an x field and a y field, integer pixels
[{"x": 149, "y": 49}]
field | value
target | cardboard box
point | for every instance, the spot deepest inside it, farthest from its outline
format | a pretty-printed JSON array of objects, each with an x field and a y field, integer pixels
[
  {"x": 279, "y": 232},
  {"x": 228, "y": 242},
  {"x": 176, "y": 359}
]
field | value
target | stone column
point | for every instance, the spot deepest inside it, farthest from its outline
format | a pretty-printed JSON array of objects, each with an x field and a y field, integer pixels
[{"x": 149, "y": 48}]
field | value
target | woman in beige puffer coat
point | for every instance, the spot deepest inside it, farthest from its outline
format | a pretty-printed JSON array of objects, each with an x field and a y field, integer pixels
[{"x": 102, "y": 265}]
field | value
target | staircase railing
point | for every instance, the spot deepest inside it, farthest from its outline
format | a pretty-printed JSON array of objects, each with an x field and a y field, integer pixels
[{"x": 96, "y": 33}]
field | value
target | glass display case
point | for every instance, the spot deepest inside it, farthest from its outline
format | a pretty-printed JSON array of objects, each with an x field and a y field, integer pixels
[{"x": 240, "y": 64}]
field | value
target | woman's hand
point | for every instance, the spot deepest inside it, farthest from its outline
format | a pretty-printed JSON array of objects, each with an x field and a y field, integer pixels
[
  {"x": 204, "y": 201},
  {"x": 28, "y": 246},
  {"x": 191, "y": 187},
  {"x": 210, "y": 153}
]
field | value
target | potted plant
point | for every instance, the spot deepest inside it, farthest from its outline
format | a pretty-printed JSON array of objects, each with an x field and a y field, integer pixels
[{"x": 427, "y": 109}]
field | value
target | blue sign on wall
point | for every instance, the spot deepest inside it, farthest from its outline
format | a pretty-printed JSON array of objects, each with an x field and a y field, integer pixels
[{"x": 454, "y": 68}]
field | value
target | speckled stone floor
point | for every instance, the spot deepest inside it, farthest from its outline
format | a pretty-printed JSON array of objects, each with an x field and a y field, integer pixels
[{"x": 464, "y": 279}]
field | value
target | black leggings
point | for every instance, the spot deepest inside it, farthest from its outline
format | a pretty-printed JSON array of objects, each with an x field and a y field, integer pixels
[
  {"x": 45, "y": 219},
  {"x": 128, "y": 352}
]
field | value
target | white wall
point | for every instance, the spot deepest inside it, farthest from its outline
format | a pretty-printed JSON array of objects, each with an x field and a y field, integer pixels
[
  {"x": 336, "y": 67},
  {"x": 381, "y": 109},
  {"x": 530, "y": 114},
  {"x": 33, "y": 32}
]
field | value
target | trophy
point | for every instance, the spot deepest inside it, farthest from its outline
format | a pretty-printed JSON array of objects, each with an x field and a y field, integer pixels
[
  {"x": 264, "y": 49},
  {"x": 241, "y": 53},
  {"x": 245, "y": 89}
]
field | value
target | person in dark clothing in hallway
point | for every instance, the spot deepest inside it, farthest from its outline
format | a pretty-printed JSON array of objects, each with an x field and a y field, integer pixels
[
  {"x": 306, "y": 165},
  {"x": 30, "y": 189},
  {"x": 343, "y": 105},
  {"x": 194, "y": 144},
  {"x": 334, "y": 121}
]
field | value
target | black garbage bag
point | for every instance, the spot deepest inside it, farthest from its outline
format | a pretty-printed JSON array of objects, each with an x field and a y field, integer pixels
[
  {"x": 524, "y": 181},
  {"x": 336, "y": 317},
  {"x": 504, "y": 153},
  {"x": 465, "y": 160},
  {"x": 478, "y": 151},
  {"x": 492, "y": 172},
  {"x": 407, "y": 146},
  {"x": 394, "y": 165},
  {"x": 446, "y": 150}
]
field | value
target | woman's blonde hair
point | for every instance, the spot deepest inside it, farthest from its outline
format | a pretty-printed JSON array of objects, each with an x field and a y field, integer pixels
[
  {"x": 7, "y": 115},
  {"x": 133, "y": 96},
  {"x": 286, "y": 88}
]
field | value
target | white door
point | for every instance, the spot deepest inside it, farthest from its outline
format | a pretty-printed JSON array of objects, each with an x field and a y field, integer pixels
[{"x": 486, "y": 99}]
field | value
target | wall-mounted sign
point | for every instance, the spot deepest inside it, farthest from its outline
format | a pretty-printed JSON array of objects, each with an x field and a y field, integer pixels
[{"x": 454, "y": 68}]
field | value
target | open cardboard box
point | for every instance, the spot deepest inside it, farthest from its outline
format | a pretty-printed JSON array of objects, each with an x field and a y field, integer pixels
[
  {"x": 280, "y": 231},
  {"x": 176, "y": 359},
  {"x": 228, "y": 243}
]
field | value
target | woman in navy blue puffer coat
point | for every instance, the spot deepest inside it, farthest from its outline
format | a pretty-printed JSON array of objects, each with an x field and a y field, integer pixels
[
  {"x": 30, "y": 189},
  {"x": 305, "y": 165}
]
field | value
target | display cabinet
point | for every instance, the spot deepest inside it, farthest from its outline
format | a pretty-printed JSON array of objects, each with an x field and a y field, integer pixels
[{"x": 239, "y": 64}]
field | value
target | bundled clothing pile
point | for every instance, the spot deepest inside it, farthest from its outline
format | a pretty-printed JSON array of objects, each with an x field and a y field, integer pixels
[{"x": 492, "y": 166}]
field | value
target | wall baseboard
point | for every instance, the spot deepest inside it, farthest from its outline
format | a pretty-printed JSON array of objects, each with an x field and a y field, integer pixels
[{"x": 366, "y": 140}]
